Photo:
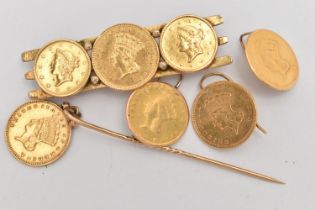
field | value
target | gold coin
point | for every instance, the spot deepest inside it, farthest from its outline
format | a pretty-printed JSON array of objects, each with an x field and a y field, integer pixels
[
  {"x": 188, "y": 43},
  {"x": 272, "y": 59},
  {"x": 224, "y": 114},
  {"x": 125, "y": 57},
  {"x": 62, "y": 68},
  {"x": 38, "y": 133},
  {"x": 157, "y": 114}
]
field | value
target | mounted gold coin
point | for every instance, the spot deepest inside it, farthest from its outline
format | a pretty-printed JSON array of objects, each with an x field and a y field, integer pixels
[
  {"x": 125, "y": 57},
  {"x": 38, "y": 133},
  {"x": 223, "y": 113},
  {"x": 188, "y": 43},
  {"x": 157, "y": 114},
  {"x": 62, "y": 68},
  {"x": 271, "y": 59}
]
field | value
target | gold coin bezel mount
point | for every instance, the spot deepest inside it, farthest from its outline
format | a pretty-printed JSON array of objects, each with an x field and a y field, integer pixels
[
  {"x": 134, "y": 127},
  {"x": 101, "y": 58},
  {"x": 14, "y": 118},
  {"x": 78, "y": 86},
  {"x": 279, "y": 77},
  {"x": 197, "y": 63},
  {"x": 195, "y": 118}
]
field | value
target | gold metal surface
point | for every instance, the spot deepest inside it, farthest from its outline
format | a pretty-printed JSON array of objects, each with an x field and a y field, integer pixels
[
  {"x": 157, "y": 114},
  {"x": 29, "y": 75},
  {"x": 125, "y": 57},
  {"x": 188, "y": 43},
  {"x": 223, "y": 113},
  {"x": 223, "y": 40},
  {"x": 29, "y": 55},
  {"x": 62, "y": 68},
  {"x": 215, "y": 20},
  {"x": 38, "y": 133},
  {"x": 271, "y": 59}
]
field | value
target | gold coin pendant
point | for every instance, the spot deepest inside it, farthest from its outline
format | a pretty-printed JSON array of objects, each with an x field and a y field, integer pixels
[
  {"x": 38, "y": 133},
  {"x": 157, "y": 114},
  {"x": 224, "y": 114},
  {"x": 272, "y": 59}
]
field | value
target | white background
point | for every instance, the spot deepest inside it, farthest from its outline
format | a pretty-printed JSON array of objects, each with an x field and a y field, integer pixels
[{"x": 99, "y": 172}]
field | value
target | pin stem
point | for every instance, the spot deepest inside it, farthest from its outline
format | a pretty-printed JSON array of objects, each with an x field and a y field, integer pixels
[{"x": 78, "y": 121}]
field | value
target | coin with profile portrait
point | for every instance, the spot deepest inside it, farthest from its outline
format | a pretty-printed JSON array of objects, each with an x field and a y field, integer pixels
[
  {"x": 38, "y": 133},
  {"x": 188, "y": 43},
  {"x": 272, "y": 59},
  {"x": 224, "y": 114},
  {"x": 125, "y": 56},
  {"x": 62, "y": 68},
  {"x": 157, "y": 114}
]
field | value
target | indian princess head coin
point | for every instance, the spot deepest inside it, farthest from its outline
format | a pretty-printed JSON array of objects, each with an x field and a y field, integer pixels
[
  {"x": 224, "y": 114},
  {"x": 62, "y": 68},
  {"x": 38, "y": 133},
  {"x": 157, "y": 114},
  {"x": 188, "y": 43},
  {"x": 272, "y": 59},
  {"x": 125, "y": 56}
]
